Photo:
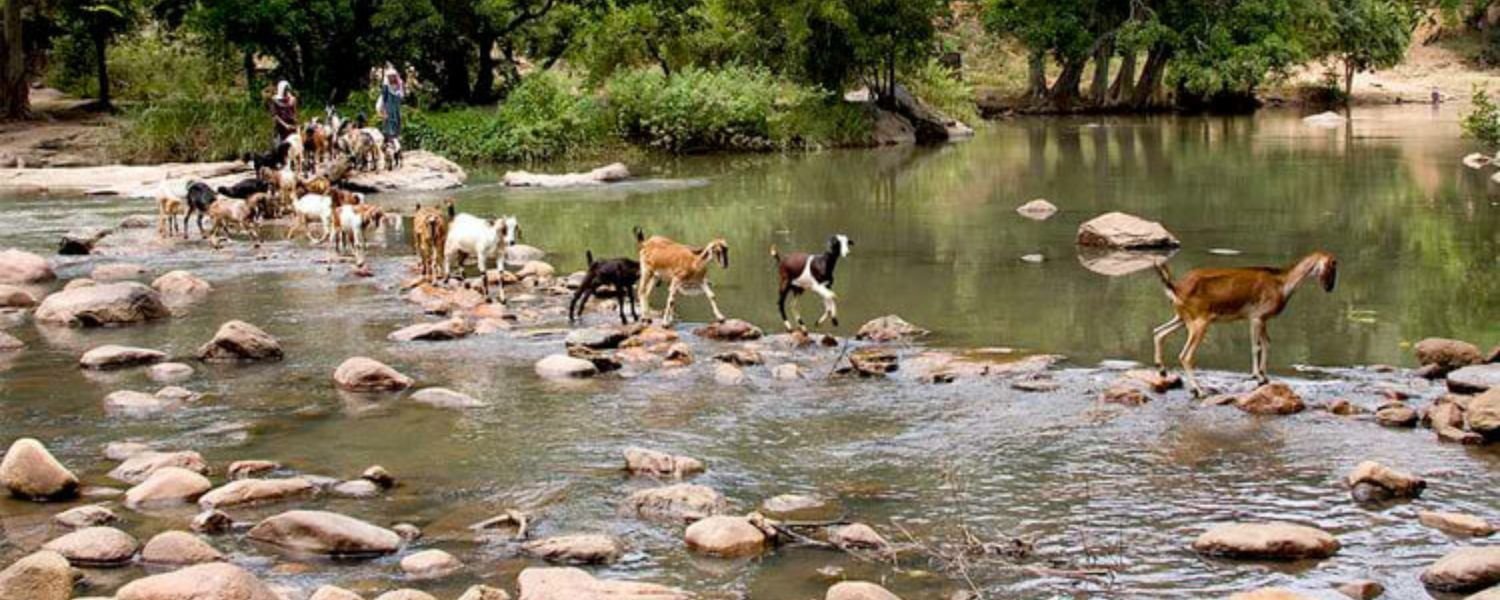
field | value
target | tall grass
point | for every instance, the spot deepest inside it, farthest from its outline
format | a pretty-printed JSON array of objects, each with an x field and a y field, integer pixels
[
  {"x": 543, "y": 118},
  {"x": 193, "y": 129},
  {"x": 941, "y": 88}
]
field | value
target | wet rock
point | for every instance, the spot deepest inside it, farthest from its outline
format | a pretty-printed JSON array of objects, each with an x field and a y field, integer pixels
[
  {"x": 442, "y": 301},
  {"x": 484, "y": 592},
  {"x": 118, "y": 272},
  {"x": 788, "y": 505},
  {"x": 874, "y": 362},
  {"x": 42, "y": 575},
  {"x": 683, "y": 502},
  {"x": 406, "y": 594},
  {"x": 740, "y": 357},
  {"x": 1272, "y": 541},
  {"x": 210, "y": 581},
  {"x": 1120, "y": 230},
  {"x": 1127, "y": 395},
  {"x": 562, "y": 366},
  {"x": 81, "y": 282},
  {"x": 110, "y": 356},
  {"x": 322, "y": 532},
  {"x": 1446, "y": 418},
  {"x": 438, "y": 397},
  {"x": 606, "y": 174},
  {"x": 786, "y": 372},
  {"x": 1475, "y": 379},
  {"x": 137, "y": 222},
  {"x": 240, "y": 341},
  {"x": 81, "y": 241},
  {"x": 379, "y": 476},
  {"x": 360, "y": 374},
  {"x": 585, "y": 548},
  {"x": 85, "y": 516},
  {"x": 407, "y": 531},
  {"x": 1396, "y": 415},
  {"x": 1270, "y": 593},
  {"x": 19, "y": 267},
  {"x": 121, "y": 303},
  {"x": 1483, "y": 415},
  {"x": 139, "y": 466},
  {"x": 165, "y": 486},
  {"x": 597, "y": 338},
  {"x": 450, "y": 329},
  {"x": 1456, "y": 523},
  {"x": 571, "y": 583},
  {"x": 169, "y": 372},
  {"x": 728, "y": 375},
  {"x": 254, "y": 491},
  {"x": 725, "y": 536},
  {"x": 1152, "y": 379},
  {"x": 180, "y": 287},
  {"x": 1271, "y": 399},
  {"x": 245, "y": 469},
  {"x": 1397, "y": 484},
  {"x": 1466, "y": 569},
  {"x": 730, "y": 330},
  {"x": 859, "y": 590},
  {"x": 603, "y": 361},
  {"x": 640, "y": 461},
  {"x": 125, "y": 450},
  {"x": 1439, "y": 356},
  {"x": 430, "y": 564},
  {"x": 535, "y": 269},
  {"x": 652, "y": 335},
  {"x": 212, "y": 522},
  {"x": 1037, "y": 210},
  {"x": 356, "y": 488},
  {"x": 14, "y": 297},
  {"x": 889, "y": 328},
  {"x": 179, "y": 548},
  {"x": 95, "y": 547},
  {"x": 329, "y": 592},
  {"x": 857, "y": 536},
  {"x": 29, "y": 471},
  {"x": 1361, "y": 590},
  {"x": 1342, "y": 407}
]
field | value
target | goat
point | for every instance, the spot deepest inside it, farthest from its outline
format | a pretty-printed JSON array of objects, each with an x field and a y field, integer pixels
[
  {"x": 167, "y": 209},
  {"x": 234, "y": 213},
  {"x": 199, "y": 198},
  {"x": 317, "y": 140},
  {"x": 429, "y": 236},
  {"x": 469, "y": 235},
  {"x": 685, "y": 268},
  {"x": 349, "y": 231},
  {"x": 801, "y": 272},
  {"x": 392, "y": 151},
  {"x": 274, "y": 159},
  {"x": 244, "y": 188},
  {"x": 296, "y": 156},
  {"x": 620, "y": 275},
  {"x": 343, "y": 197},
  {"x": 366, "y": 146},
  {"x": 370, "y": 218},
  {"x": 1204, "y": 296},
  {"x": 312, "y": 207},
  {"x": 284, "y": 183}
]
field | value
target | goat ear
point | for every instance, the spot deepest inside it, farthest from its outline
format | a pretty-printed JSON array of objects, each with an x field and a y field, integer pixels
[{"x": 1329, "y": 274}]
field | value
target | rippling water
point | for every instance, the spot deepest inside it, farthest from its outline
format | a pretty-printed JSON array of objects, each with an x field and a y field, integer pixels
[{"x": 937, "y": 241}]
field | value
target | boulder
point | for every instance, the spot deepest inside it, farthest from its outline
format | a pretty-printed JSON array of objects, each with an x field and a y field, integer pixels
[
  {"x": 110, "y": 356},
  {"x": 535, "y": 269},
  {"x": 484, "y": 592},
  {"x": 212, "y": 522},
  {"x": 725, "y": 536},
  {"x": 1397, "y": 484},
  {"x": 14, "y": 297},
  {"x": 1271, "y": 399},
  {"x": 682, "y": 502},
  {"x": 356, "y": 488},
  {"x": 18, "y": 267},
  {"x": 1467, "y": 569},
  {"x": 562, "y": 366},
  {"x": 450, "y": 329},
  {"x": 857, "y": 536},
  {"x": 240, "y": 341},
  {"x": 139, "y": 466},
  {"x": 729, "y": 375},
  {"x": 1396, "y": 415},
  {"x": 167, "y": 485},
  {"x": 1037, "y": 210},
  {"x": 1483, "y": 415},
  {"x": 606, "y": 174},
  {"x": 180, "y": 287},
  {"x": 406, "y": 594},
  {"x": 95, "y": 547},
  {"x": 879, "y": 361},
  {"x": 430, "y": 564},
  {"x": 209, "y": 581},
  {"x": 729, "y": 330},
  {"x": 1456, "y": 523},
  {"x": 438, "y": 397},
  {"x": 571, "y": 583},
  {"x": 1119, "y": 230},
  {"x": 321, "y": 532},
  {"x": 330, "y": 592},
  {"x": 1439, "y": 356},
  {"x": 1271, "y": 541},
  {"x": 118, "y": 272},
  {"x": 254, "y": 491},
  {"x": 585, "y": 548},
  {"x": 169, "y": 372},
  {"x": 81, "y": 241},
  {"x": 1363, "y": 589},
  {"x": 597, "y": 338},
  {"x": 889, "y": 328},
  {"x": 179, "y": 548},
  {"x": 1474, "y": 379},
  {"x": 120, "y": 303},
  {"x": 245, "y": 469},
  {"x": 85, "y": 516},
  {"x": 858, "y": 590},
  {"x": 9, "y": 343},
  {"x": 360, "y": 374},
  {"x": 640, "y": 461},
  {"x": 786, "y": 506},
  {"x": 43, "y": 575},
  {"x": 29, "y": 471}
]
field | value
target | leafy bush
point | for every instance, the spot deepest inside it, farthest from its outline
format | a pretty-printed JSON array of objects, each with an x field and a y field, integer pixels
[
  {"x": 1483, "y": 123},
  {"x": 942, "y": 89},
  {"x": 143, "y": 67},
  {"x": 696, "y": 110},
  {"x": 194, "y": 129},
  {"x": 542, "y": 118}
]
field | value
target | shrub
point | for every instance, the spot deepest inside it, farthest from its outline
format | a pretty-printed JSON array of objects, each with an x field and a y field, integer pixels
[
  {"x": 142, "y": 67},
  {"x": 542, "y": 118},
  {"x": 696, "y": 110},
  {"x": 194, "y": 129},
  {"x": 1483, "y": 122},
  {"x": 942, "y": 89}
]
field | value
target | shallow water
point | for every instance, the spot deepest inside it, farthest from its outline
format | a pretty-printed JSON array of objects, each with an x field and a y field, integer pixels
[{"x": 937, "y": 241}]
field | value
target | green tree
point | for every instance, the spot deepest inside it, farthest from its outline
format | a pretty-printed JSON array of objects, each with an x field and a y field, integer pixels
[
  {"x": 1364, "y": 35},
  {"x": 99, "y": 22}
]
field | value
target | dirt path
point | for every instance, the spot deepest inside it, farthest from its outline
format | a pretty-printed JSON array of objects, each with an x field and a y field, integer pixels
[
  {"x": 1427, "y": 66},
  {"x": 64, "y": 133}
]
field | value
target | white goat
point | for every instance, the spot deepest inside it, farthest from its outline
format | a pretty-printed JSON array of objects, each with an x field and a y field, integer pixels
[
  {"x": 350, "y": 222},
  {"x": 312, "y": 207},
  {"x": 469, "y": 235},
  {"x": 296, "y": 154}
]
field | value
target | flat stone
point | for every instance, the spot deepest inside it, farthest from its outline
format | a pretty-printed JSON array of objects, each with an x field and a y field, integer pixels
[
  {"x": 576, "y": 549},
  {"x": 1456, "y": 523},
  {"x": 85, "y": 516},
  {"x": 571, "y": 583},
  {"x": 140, "y": 465},
  {"x": 787, "y": 505},
  {"x": 1467, "y": 569},
  {"x": 209, "y": 581},
  {"x": 562, "y": 366},
  {"x": 179, "y": 548},
  {"x": 1475, "y": 379},
  {"x": 1275, "y": 541},
  {"x": 857, "y": 536},
  {"x": 438, "y": 397},
  {"x": 683, "y": 502},
  {"x": 256, "y": 491},
  {"x": 245, "y": 469},
  {"x": 322, "y": 532},
  {"x": 95, "y": 547},
  {"x": 430, "y": 564},
  {"x": 406, "y": 594},
  {"x": 110, "y": 356},
  {"x": 725, "y": 536},
  {"x": 121, "y": 303},
  {"x": 597, "y": 338},
  {"x": 356, "y": 488},
  {"x": 450, "y": 329},
  {"x": 1037, "y": 210},
  {"x": 730, "y": 330},
  {"x": 165, "y": 486}
]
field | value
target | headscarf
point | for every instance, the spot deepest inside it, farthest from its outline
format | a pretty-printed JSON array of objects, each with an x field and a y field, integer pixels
[
  {"x": 282, "y": 89},
  {"x": 398, "y": 86}
]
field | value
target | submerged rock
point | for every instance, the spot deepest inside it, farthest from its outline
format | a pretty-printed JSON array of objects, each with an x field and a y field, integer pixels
[
  {"x": 682, "y": 502},
  {"x": 1396, "y": 484},
  {"x": 562, "y": 366},
  {"x": 322, "y": 532},
  {"x": 438, "y": 397},
  {"x": 1037, "y": 210},
  {"x": 789, "y": 505},
  {"x": 121, "y": 303},
  {"x": 240, "y": 341},
  {"x": 169, "y": 372},
  {"x": 1271, "y": 399},
  {"x": 95, "y": 547},
  {"x": 211, "y": 581},
  {"x": 889, "y": 328},
  {"x": 730, "y": 330},
  {"x": 43, "y": 575},
  {"x": 858, "y": 590},
  {"x": 586, "y": 548},
  {"x": 640, "y": 461},
  {"x": 29, "y": 471},
  {"x": 20, "y": 267},
  {"x": 1120, "y": 230},
  {"x": 360, "y": 374},
  {"x": 430, "y": 564},
  {"x": 1274, "y": 541},
  {"x": 725, "y": 536},
  {"x": 1455, "y": 523},
  {"x": 606, "y": 174},
  {"x": 110, "y": 356},
  {"x": 571, "y": 583},
  {"x": 1467, "y": 569}
]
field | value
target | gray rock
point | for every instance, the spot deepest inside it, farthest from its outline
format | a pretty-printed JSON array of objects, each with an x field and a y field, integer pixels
[
  {"x": 1120, "y": 230},
  {"x": 445, "y": 398},
  {"x": 597, "y": 338},
  {"x": 1475, "y": 379},
  {"x": 19, "y": 267},
  {"x": 240, "y": 341},
  {"x": 121, "y": 303},
  {"x": 110, "y": 356}
]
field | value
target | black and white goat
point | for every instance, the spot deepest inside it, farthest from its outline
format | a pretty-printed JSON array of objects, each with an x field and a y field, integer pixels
[
  {"x": 619, "y": 275},
  {"x": 199, "y": 197},
  {"x": 802, "y": 272}
]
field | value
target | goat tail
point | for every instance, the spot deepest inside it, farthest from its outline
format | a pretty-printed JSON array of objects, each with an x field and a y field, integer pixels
[
  {"x": 589, "y": 254},
  {"x": 640, "y": 235},
  {"x": 776, "y": 256},
  {"x": 1166, "y": 279}
]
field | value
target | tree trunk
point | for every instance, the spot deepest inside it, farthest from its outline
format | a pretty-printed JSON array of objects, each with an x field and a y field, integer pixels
[
  {"x": 249, "y": 66},
  {"x": 1348, "y": 82},
  {"x": 1149, "y": 83},
  {"x": 656, "y": 55},
  {"x": 455, "y": 86},
  {"x": 15, "y": 94},
  {"x": 1065, "y": 91},
  {"x": 1124, "y": 85},
  {"x": 100, "y": 46},
  {"x": 484, "y": 77},
  {"x": 1099, "y": 89},
  {"x": 1036, "y": 75}
]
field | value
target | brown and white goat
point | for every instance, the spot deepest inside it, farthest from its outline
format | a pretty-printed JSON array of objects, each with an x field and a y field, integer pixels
[
  {"x": 429, "y": 235},
  {"x": 801, "y": 272},
  {"x": 1204, "y": 296},
  {"x": 684, "y": 267},
  {"x": 235, "y": 214},
  {"x": 167, "y": 209}
]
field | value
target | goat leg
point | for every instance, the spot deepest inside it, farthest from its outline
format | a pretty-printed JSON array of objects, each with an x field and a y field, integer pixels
[
  {"x": 708, "y": 292},
  {"x": 781, "y": 305},
  {"x": 1260, "y": 345},
  {"x": 1196, "y": 331},
  {"x": 1159, "y": 335}
]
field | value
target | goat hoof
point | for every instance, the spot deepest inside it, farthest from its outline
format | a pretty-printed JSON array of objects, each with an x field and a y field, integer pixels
[{"x": 835, "y": 321}]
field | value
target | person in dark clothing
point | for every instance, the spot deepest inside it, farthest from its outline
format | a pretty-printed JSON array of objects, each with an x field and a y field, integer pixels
[{"x": 283, "y": 111}]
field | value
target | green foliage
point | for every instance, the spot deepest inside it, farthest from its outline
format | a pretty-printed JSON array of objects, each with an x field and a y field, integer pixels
[
  {"x": 941, "y": 88},
  {"x": 1367, "y": 34},
  {"x": 198, "y": 129},
  {"x": 696, "y": 110},
  {"x": 147, "y": 66},
  {"x": 542, "y": 118},
  {"x": 1482, "y": 123}
]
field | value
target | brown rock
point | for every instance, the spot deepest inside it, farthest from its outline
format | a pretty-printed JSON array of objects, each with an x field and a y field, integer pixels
[
  {"x": 14, "y": 297},
  {"x": 1271, "y": 399},
  {"x": 683, "y": 502},
  {"x": 102, "y": 304},
  {"x": 1362, "y": 589},
  {"x": 562, "y": 366},
  {"x": 450, "y": 329},
  {"x": 731, "y": 330},
  {"x": 1396, "y": 415},
  {"x": 110, "y": 356},
  {"x": 169, "y": 372},
  {"x": 1483, "y": 416},
  {"x": 43, "y": 575},
  {"x": 360, "y": 374},
  {"x": 430, "y": 564},
  {"x": 1456, "y": 523},
  {"x": 178, "y": 287},
  {"x": 725, "y": 536},
  {"x": 29, "y": 471},
  {"x": 1467, "y": 569},
  {"x": 570, "y": 583},
  {"x": 322, "y": 532},
  {"x": 240, "y": 341},
  {"x": 167, "y": 485},
  {"x": 179, "y": 548},
  {"x": 1124, "y": 394},
  {"x": 640, "y": 461},
  {"x": 1120, "y": 230},
  {"x": 484, "y": 592},
  {"x": 858, "y": 536},
  {"x": 245, "y": 469},
  {"x": 858, "y": 590},
  {"x": 139, "y": 466},
  {"x": 379, "y": 476},
  {"x": 95, "y": 547},
  {"x": 576, "y": 549},
  {"x": 1398, "y": 484},
  {"x": 210, "y": 581},
  {"x": 1442, "y": 355},
  {"x": 1274, "y": 541},
  {"x": 212, "y": 521},
  {"x": 254, "y": 491},
  {"x": 406, "y": 594},
  {"x": 889, "y": 328},
  {"x": 1271, "y": 593},
  {"x": 18, "y": 267}
]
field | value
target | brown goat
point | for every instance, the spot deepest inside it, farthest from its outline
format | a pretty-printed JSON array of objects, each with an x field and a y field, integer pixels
[
  {"x": 167, "y": 209},
  {"x": 1204, "y": 296},
  {"x": 233, "y": 213},
  {"x": 429, "y": 235},
  {"x": 685, "y": 268}
]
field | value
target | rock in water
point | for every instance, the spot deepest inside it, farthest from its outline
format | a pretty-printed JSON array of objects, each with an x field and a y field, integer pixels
[
  {"x": 1037, "y": 210},
  {"x": 211, "y": 581},
  {"x": 29, "y": 471},
  {"x": 484, "y": 592},
  {"x": 562, "y": 366},
  {"x": 1273, "y": 541},
  {"x": 597, "y": 338},
  {"x": 1441, "y": 355},
  {"x": 430, "y": 564},
  {"x": 1474, "y": 379},
  {"x": 168, "y": 485},
  {"x": 1456, "y": 523},
  {"x": 240, "y": 341},
  {"x": 1325, "y": 120},
  {"x": 1396, "y": 415},
  {"x": 329, "y": 592},
  {"x": 110, "y": 356},
  {"x": 253, "y": 491},
  {"x": 683, "y": 502},
  {"x": 730, "y": 330},
  {"x": 640, "y": 461},
  {"x": 406, "y": 594},
  {"x": 1271, "y": 399},
  {"x": 889, "y": 328},
  {"x": 1361, "y": 589},
  {"x": 859, "y": 536},
  {"x": 85, "y": 516},
  {"x": 179, "y": 548},
  {"x": 1467, "y": 569},
  {"x": 576, "y": 549},
  {"x": 322, "y": 532},
  {"x": 95, "y": 547},
  {"x": 1119, "y": 230},
  {"x": 121, "y": 303},
  {"x": 859, "y": 590},
  {"x": 1270, "y": 593},
  {"x": 43, "y": 575},
  {"x": 14, "y": 297},
  {"x": 571, "y": 583},
  {"x": 360, "y": 374},
  {"x": 450, "y": 329},
  {"x": 1397, "y": 484},
  {"x": 181, "y": 287},
  {"x": 445, "y": 398},
  {"x": 725, "y": 536},
  {"x": 602, "y": 175},
  {"x": 1484, "y": 414},
  {"x": 18, "y": 267},
  {"x": 81, "y": 241},
  {"x": 140, "y": 465}
]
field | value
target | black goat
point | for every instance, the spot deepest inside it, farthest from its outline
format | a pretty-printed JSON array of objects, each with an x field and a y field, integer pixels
[
  {"x": 274, "y": 159},
  {"x": 802, "y": 272},
  {"x": 199, "y": 197},
  {"x": 619, "y": 274},
  {"x": 244, "y": 188}
]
